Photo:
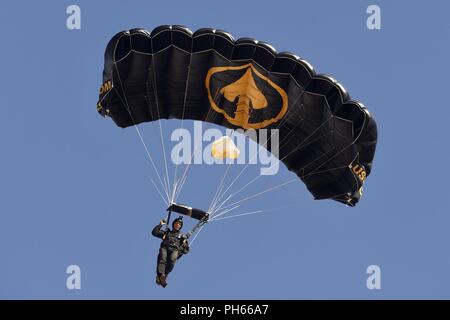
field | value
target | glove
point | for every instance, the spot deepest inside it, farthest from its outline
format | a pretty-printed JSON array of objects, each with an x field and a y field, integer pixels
[
  {"x": 185, "y": 246},
  {"x": 162, "y": 222}
]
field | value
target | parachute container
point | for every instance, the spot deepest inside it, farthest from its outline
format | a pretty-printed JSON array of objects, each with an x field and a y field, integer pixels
[{"x": 188, "y": 211}]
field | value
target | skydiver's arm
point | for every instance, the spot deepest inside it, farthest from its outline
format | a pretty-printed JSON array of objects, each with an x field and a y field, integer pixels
[{"x": 157, "y": 232}]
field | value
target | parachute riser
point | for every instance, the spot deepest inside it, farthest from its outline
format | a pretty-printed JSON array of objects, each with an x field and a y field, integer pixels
[
  {"x": 168, "y": 219},
  {"x": 199, "y": 224}
]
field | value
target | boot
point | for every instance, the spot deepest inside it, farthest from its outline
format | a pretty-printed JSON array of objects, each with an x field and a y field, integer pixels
[
  {"x": 162, "y": 280},
  {"x": 157, "y": 280}
]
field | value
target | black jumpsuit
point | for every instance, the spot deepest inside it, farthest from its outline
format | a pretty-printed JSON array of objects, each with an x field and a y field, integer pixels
[{"x": 172, "y": 247}]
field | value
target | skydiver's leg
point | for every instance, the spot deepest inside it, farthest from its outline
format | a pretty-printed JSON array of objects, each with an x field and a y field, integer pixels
[
  {"x": 173, "y": 256},
  {"x": 162, "y": 261}
]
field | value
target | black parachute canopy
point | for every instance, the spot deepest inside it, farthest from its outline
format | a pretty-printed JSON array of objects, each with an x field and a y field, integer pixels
[{"x": 327, "y": 139}]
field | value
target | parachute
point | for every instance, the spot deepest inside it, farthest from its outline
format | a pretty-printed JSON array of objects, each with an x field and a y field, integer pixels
[
  {"x": 326, "y": 139},
  {"x": 224, "y": 147}
]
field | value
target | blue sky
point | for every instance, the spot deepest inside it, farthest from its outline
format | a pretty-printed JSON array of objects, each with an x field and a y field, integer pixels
[{"x": 75, "y": 189}]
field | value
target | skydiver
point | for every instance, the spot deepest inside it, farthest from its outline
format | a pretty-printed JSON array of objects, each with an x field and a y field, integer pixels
[{"x": 174, "y": 244}]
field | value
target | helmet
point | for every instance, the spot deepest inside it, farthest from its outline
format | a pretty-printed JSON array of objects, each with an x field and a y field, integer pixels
[{"x": 180, "y": 220}]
